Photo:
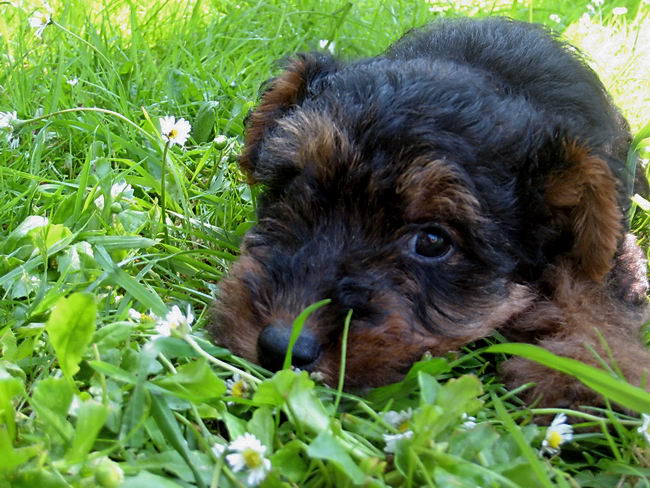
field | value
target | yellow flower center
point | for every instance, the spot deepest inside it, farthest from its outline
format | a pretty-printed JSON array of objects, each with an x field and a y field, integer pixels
[
  {"x": 238, "y": 389},
  {"x": 554, "y": 439},
  {"x": 252, "y": 458},
  {"x": 403, "y": 427},
  {"x": 172, "y": 133}
]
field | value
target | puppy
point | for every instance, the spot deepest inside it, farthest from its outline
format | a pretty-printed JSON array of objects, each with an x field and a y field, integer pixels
[{"x": 471, "y": 178}]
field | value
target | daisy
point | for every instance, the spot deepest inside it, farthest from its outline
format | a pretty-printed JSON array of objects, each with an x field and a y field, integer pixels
[
  {"x": 7, "y": 120},
  {"x": 392, "y": 439},
  {"x": 135, "y": 315},
  {"x": 401, "y": 422},
  {"x": 175, "y": 323},
  {"x": 175, "y": 131},
  {"x": 469, "y": 422},
  {"x": 325, "y": 44},
  {"x": 13, "y": 141},
  {"x": 218, "y": 450},
  {"x": 249, "y": 456},
  {"x": 41, "y": 19},
  {"x": 237, "y": 386},
  {"x": 645, "y": 427},
  {"x": 619, "y": 11},
  {"x": 119, "y": 190},
  {"x": 557, "y": 434},
  {"x": 72, "y": 81}
]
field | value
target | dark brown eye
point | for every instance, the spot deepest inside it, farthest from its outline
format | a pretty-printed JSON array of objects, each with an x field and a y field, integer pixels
[{"x": 431, "y": 244}]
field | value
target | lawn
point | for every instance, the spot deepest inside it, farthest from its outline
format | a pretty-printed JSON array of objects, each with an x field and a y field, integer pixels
[{"x": 113, "y": 242}]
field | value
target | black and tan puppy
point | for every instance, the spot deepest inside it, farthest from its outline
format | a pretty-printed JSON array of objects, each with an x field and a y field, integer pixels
[{"x": 471, "y": 178}]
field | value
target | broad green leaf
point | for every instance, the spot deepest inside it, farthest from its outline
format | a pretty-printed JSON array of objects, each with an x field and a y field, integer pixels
[
  {"x": 146, "y": 479},
  {"x": 51, "y": 400},
  {"x": 287, "y": 460},
  {"x": 295, "y": 393},
  {"x": 262, "y": 426},
  {"x": 70, "y": 328},
  {"x": 122, "y": 242},
  {"x": 12, "y": 458},
  {"x": 33, "y": 478},
  {"x": 194, "y": 381},
  {"x": 325, "y": 446},
  {"x": 113, "y": 334},
  {"x": 204, "y": 121},
  {"x": 90, "y": 419},
  {"x": 113, "y": 371},
  {"x": 604, "y": 383},
  {"x": 401, "y": 391},
  {"x": 9, "y": 388},
  {"x": 235, "y": 425},
  {"x": 50, "y": 236}
]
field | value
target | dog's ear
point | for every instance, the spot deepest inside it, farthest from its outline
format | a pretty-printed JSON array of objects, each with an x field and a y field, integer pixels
[
  {"x": 280, "y": 95},
  {"x": 583, "y": 198}
]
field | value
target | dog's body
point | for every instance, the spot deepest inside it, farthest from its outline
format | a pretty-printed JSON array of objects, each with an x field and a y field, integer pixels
[{"x": 472, "y": 178}]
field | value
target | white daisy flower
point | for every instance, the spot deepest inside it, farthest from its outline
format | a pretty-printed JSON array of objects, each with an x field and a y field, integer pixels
[
  {"x": 469, "y": 422},
  {"x": 135, "y": 315},
  {"x": 325, "y": 44},
  {"x": 30, "y": 223},
  {"x": 619, "y": 11},
  {"x": 175, "y": 131},
  {"x": 175, "y": 323},
  {"x": 218, "y": 449},
  {"x": 555, "y": 18},
  {"x": 119, "y": 191},
  {"x": 41, "y": 19},
  {"x": 72, "y": 81},
  {"x": 7, "y": 120},
  {"x": 13, "y": 141},
  {"x": 645, "y": 427},
  {"x": 237, "y": 386},
  {"x": 557, "y": 434},
  {"x": 392, "y": 439},
  {"x": 249, "y": 456},
  {"x": 401, "y": 422}
]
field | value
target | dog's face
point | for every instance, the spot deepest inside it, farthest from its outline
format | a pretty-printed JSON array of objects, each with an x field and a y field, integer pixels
[{"x": 397, "y": 192}]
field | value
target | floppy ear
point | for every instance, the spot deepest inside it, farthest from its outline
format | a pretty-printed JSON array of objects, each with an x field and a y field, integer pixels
[
  {"x": 280, "y": 96},
  {"x": 583, "y": 198}
]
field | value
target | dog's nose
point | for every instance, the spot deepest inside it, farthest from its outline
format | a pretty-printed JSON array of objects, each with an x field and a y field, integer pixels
[{"x": 272, "y": 347}]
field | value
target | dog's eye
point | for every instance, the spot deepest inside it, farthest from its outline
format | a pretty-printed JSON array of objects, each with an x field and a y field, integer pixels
[{"x": 431, "y": 244}]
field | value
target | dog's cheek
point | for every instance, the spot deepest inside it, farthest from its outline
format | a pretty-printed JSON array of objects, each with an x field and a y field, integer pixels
[{"x": 234, "y": 322}]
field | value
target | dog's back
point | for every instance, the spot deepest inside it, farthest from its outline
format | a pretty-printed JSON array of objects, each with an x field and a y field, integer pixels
[{"x": 528, "y": 60}]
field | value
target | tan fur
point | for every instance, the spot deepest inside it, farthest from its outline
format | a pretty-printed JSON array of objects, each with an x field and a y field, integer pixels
[
  {"x": 585, "y": 193},
  {"x": 583, "y": 321},
  {"x": 284, "y": 93},
  {"x": 433, "y": 189}
]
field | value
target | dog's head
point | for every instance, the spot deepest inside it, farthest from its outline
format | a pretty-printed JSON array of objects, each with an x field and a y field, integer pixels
[{"x": 419, "y": 196}]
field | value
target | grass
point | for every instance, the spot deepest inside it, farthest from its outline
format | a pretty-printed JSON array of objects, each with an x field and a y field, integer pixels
[{"x": 92, "y": 395}]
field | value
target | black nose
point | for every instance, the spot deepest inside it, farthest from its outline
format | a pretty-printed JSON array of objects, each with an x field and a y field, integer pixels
[{"x": 272, "y": 347}]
